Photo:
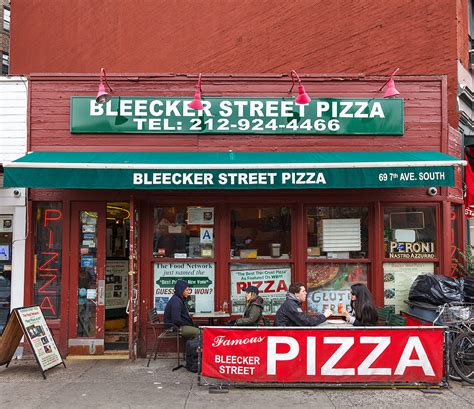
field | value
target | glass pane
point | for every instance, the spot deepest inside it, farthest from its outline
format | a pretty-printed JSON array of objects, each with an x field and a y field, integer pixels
[
  {"x": 200, "y": 277},
  {"x": 329, "y": 284},
  {"x": 183, "y": 232},
  {"x": 338, "y": 232},
  {"x": 6, "y": 236},
  {"x": 272, "y": 280},
  {"x": 410, "y": 232},
  {"x": 48, "y": 258},
  {"x": 398, "y": 279},
  {"x": 87, "y": 277},
  {"x": 261, "y": 232}
]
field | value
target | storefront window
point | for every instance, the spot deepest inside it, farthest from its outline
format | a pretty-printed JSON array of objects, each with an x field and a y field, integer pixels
[
  {"x": 48, "y": 225},
  {"x": 272, "y": 280},
  {"x": 87, "y": 275},
  {"x": 337, "y": 232},
  {"x": 6, "y": 236},
  {"x": 398, "y": 279},
  {"x": 410, "y": 232},
  {"x": 201, "y": 280},
  {"x": 260, "y": 232},
  {"x": 329, "y": 284},
  {"x": 183, "y": 232}
]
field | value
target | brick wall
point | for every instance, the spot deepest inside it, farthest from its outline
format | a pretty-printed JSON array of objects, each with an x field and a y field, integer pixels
[{"x": 268, "y": 36}]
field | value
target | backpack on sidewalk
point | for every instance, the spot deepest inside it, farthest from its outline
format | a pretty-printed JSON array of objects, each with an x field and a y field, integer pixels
[{"x": 192, "y": 346}]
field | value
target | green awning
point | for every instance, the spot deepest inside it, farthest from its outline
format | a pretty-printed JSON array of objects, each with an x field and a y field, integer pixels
[{"x": 231, "y": 170}]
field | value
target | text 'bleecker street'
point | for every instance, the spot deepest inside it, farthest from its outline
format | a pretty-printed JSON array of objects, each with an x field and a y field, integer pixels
[{"x": 229, "y": 178}]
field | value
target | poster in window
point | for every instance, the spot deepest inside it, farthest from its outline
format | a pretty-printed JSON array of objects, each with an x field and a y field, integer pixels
[
  {"x": 201, "y": 215},
  {"x": 271, "y": 280},
  {"x": 398, "y": 278},
  {"x": 200, "y": 277},
  {"x": 116, "y": 284},
  {"x": 330, "y": 283}
]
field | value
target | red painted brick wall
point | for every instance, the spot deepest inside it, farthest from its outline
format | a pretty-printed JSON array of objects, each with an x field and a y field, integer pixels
[
  {"x": 237, "y": 36},
  {"x": 50, "y": 109}
]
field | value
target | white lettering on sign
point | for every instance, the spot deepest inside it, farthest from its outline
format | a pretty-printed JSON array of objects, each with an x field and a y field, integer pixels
[
  {"x": 328, "y": 368},
  {"x": 349, "y": 109},
  {"x": 228, "y": 178},
  {"x": 303, "y": 178},
  {"x": 239, "y": 107},
  {"x": 382, "y": 344},
  {"x": 414, "y": 344},
  {"x": 273, "y": 356},
  {"x": 221, "y": 340}
]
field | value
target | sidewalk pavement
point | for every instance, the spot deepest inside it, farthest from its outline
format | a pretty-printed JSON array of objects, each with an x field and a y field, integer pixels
[{"x": 123, "y": 384}]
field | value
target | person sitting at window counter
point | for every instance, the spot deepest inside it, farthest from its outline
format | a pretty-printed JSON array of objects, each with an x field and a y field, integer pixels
[
  {"x": 290, "y": 313},
  {"x": 177, "y": 313},
  {"x": 253, "y": 308},
  {"x": 362, "y": 306}
]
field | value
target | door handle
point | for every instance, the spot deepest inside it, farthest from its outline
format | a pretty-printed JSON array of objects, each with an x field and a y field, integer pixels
[{"x": 101, "y": 295}]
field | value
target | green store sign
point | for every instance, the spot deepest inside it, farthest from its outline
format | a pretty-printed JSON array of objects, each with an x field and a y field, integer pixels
[{"x": 281, "y": 116}]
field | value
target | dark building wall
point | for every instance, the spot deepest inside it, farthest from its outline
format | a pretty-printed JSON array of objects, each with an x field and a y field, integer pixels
[{"x": 209, "y": 36}]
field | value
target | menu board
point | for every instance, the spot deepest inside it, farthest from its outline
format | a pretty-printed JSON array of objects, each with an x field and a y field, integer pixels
[
  {"x": 200, "y": 277},
  {"x": 39, "y": 337},
  {"x": 398, "y": 278}
]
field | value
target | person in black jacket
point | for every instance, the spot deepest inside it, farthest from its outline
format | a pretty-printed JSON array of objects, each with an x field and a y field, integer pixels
[
  {"x": 290, "y": 313},
  {"x": 176, "y": 310},
  {"x": 362, "y": 306}
]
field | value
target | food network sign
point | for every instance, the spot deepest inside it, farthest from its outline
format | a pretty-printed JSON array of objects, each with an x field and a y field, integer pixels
[
  {"x": 325, "y": 355},
  {"x": 329, "y": 116}
]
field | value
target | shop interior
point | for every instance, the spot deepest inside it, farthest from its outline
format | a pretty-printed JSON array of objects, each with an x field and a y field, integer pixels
[{"x": 116, "y": 276}]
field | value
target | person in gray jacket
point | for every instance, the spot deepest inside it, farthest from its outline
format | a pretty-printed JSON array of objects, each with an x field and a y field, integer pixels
[
  {"x": 254, "y": 308},
  {"x": 290, "y": 313}
]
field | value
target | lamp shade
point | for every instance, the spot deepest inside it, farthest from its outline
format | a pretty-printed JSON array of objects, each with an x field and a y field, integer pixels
[
  {"x": 302, "y": 98},
  {"x": 391, "y": 91},
  {"x": 102, "y": 95},
  {"x": 196, "y": 103}
]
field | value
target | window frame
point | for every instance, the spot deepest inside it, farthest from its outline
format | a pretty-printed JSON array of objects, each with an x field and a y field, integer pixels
[
  {"x": 7, "y": 65},
  {"x": 5, "y": 21}
]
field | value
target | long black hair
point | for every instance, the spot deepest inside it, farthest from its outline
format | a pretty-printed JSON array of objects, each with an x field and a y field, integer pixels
[{"x": 363, "y": 306}]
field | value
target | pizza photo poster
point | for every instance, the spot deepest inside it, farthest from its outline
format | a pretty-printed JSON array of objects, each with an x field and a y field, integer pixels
[{"x": 330, "y": 283}]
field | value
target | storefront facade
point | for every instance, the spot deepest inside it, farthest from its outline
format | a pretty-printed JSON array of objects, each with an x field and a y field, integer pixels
[
  {"x": 128, "y": 196},
  {"x": 13, "y": 120}
]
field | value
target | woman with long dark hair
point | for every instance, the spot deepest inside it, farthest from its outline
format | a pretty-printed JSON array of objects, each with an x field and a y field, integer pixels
[{"x": 362, "y": 306}]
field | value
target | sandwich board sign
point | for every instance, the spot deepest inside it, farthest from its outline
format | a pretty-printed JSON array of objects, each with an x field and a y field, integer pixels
[{"x": 30, "y": 322}]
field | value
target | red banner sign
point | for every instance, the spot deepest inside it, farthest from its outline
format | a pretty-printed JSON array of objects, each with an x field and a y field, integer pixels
[{"x": 326, "y": 355}]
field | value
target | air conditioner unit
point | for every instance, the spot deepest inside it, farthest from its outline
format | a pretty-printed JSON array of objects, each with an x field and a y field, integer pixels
[{"x": 471, "y": 58}]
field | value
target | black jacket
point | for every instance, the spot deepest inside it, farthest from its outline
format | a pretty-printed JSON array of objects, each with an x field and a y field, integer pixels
[
  {"x": 252, "y": 314},
  {"x": 290, "y": 314},
  {"x": 176, "y": 310}
]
